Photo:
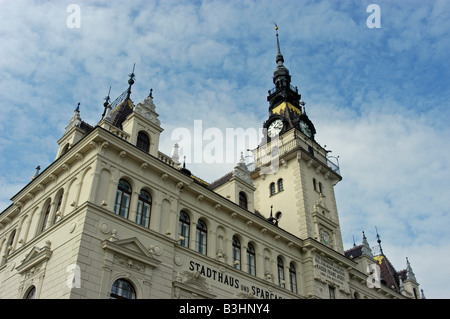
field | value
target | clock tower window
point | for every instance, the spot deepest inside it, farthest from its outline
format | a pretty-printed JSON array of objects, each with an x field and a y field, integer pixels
[{"x": 143, "y": 142}]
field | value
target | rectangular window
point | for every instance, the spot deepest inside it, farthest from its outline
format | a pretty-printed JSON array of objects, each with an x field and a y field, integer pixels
[{"x": 332, "y": 292}]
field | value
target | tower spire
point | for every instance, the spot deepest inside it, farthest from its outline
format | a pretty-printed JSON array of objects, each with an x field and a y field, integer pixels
[
  {"x": 409, "y": 271},
  {"x": 281, "y": 77},
  {"x": 130, "y": 81},
  {"x": 279, "y": 59},
  {"x": 365, "y": 246},
  {"x": 379, "y": 241}
]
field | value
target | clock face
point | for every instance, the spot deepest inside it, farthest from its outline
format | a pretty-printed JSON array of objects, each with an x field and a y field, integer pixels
[
  {"x": 275, "y": 128},
  {"x": 305, "y": 129},
  {"x": 325, "y": 238}
]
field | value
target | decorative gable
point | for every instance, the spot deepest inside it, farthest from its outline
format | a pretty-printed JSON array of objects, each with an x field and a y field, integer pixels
[{"x": 147, "y": 109}]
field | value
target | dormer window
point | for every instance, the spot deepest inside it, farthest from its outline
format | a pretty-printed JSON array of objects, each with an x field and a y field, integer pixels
[{"x": 143, "y": 142}]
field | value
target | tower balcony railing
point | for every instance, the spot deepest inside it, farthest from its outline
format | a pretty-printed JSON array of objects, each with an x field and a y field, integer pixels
[
  {"x": 266, "y": 154},
  {"x": 293, "y": 88}
]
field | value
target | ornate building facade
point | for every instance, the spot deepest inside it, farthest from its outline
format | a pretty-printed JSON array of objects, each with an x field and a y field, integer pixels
[{"x": 113, "y": 217}]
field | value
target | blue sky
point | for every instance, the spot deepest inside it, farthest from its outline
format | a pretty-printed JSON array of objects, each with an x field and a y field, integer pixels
[{"x": 378, "y": 97}]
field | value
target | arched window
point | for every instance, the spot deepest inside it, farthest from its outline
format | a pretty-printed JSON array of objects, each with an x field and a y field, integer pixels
[
  {"x": 243, "y": 200},
  {"x": 183, "y": 229},
  {"x": 10, "y": 242},
  {"x": 236, "y": 253},
  {"x": 144, "y": 209},
  {"x": 251, "y": 260},
  {"x": 200, "y": 237},
  {"x": 272, "y": 189},
  {"x": 122, "y": 289},
  {"x": 45, "y": 217},
  {"x": 123, "y": 195},
  {"x": 143, "y": 141},
  {"x": 58, "y": 207},
  {"x": 320, "y": 187},
  {"x": 280, "y": 267},
  {"x": 314, "y": 184},
  {"x": 280, "y": 184},
  {"x": 31, "y": 294},
  {"x": 293, "y": 278}
]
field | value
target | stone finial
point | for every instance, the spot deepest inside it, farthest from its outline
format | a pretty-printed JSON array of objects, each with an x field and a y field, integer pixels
[
  {"x": 75, "y": 119},
  {"x": 175, "y": 156},
  {"x": 365, "y": 249}
]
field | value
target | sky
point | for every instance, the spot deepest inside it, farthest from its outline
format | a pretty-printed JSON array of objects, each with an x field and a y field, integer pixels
[{"x": 378, "y": 96}]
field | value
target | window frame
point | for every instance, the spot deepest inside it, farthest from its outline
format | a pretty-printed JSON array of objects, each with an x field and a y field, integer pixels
[
  {"x": 45, "y": 217},
  {"x": 123, "y": 191},
  {"x": 272, "y": 189},
  {"x": 251, "y": 260},
  {"x": 293, "y": 278},
  {"x": 119, "y": 296},
  {"x": 31, "y": 293},
  {"x": 280, "y": 268},
  {"x": 58, "y": 206},
  {"x": 332, "y": 292},
  {"x": 243, "y": 201},
  {"x": 142, "y": 204},
  {"x": 143, "y": 141},
  {"x": 236, "y": 248},
  {"x": 280, "y": 185},
  {"x": 201, "y": 237},
  {"x": 184, "y": 225}
]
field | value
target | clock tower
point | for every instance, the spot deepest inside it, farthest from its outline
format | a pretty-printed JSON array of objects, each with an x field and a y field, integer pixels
[
  {"x": 286, "y": 111},
  {"x": 294, "y": 177}
]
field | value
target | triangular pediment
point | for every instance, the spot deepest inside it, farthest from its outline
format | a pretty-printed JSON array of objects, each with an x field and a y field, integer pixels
[
  {"x": 133, "y": 244},
  {"x": 131, "y": 248},
  {"x": 34, "y": 258}
]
